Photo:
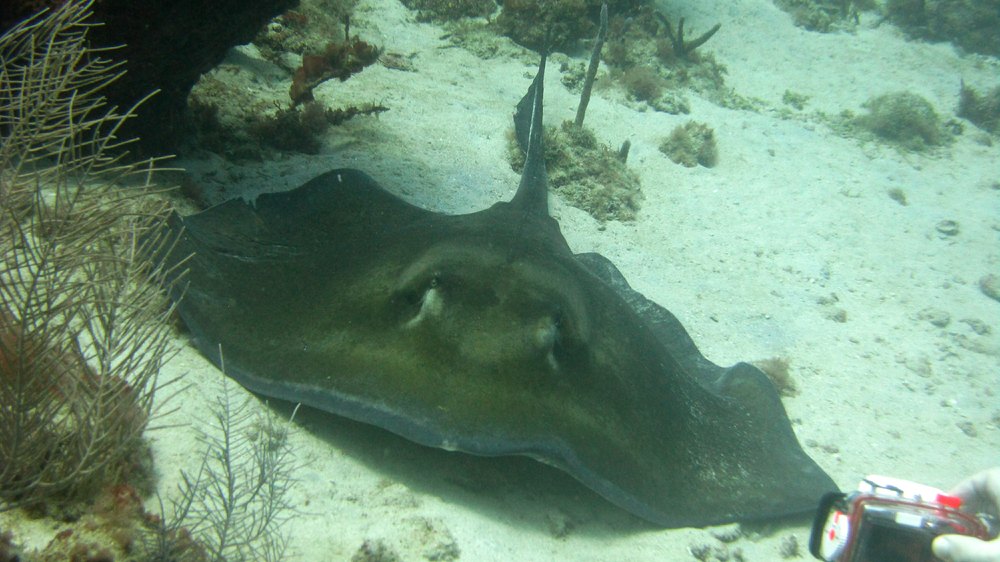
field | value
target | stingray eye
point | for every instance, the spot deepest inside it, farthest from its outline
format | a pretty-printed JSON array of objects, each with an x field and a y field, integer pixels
[
  {"x": 563, "y": 325},
  {"x": 565, "y": 343},
  {"x": 417, "y": 292},
  {"x": 412, "y": 295},
  {"x": 428, "y": 301},
  {"x": 549, "y": 338}
]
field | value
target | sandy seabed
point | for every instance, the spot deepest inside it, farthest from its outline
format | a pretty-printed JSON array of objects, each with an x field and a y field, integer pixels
[{"x": 791, "y": 246}]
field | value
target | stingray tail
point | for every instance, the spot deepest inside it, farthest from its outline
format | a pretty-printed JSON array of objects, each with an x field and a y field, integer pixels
[{"x": 532, "y": 193}]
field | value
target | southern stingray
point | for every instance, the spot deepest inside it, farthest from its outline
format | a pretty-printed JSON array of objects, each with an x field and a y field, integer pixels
[{"x": 485, "y": 333}]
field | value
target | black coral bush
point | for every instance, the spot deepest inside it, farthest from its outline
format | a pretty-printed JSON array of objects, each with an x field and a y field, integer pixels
[{"x": 82, "y": 307}]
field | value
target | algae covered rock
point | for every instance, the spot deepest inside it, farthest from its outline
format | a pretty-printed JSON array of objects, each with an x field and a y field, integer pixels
[
  {"x": 556, "y": 24},
  {"x": 904, "y": 119},
  {"x": 531, "y": 23},
  {"x": 825, "y": 15},
  {"x": 983, "y": 110},
  {"x": 586, "y": 173},
  {"x": 445, "y": 10},
  {"x": 691, "y": 144},
  {"x": 970, "y": 24},
  {"x": 643, "y": 83}
]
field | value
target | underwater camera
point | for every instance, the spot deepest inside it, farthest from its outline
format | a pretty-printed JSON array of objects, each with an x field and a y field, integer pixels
[{"x": 889, "y": 520}]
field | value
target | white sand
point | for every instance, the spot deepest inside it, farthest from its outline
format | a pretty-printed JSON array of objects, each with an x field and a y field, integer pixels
[{"x": 741, "y": 253}]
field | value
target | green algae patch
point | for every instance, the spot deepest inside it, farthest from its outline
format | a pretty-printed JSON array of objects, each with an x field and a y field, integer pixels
[
  {"x": 691, "y": 144},
  {"x": 903, "y": 119},
  {"x": 587, "y": 173},
  {"x": 983, "y": 110}
]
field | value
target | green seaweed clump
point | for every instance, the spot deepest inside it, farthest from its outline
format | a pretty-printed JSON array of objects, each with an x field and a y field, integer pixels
[
  {"x": 308, "y": 28},
  {"x": 643, "y": 83},
  {"x": 778, "y": 370},
  {"x": 299, "y": 129},
  {"x": 970, "y": 24},
  {"x": 450, "y": 10},
  {"x": 648, "y": 48},
  {"x": 691, "y": 144},
  {"x": 904, "y": 119},
  {"x": 825, "y": 15},
  {"x": 588, "y": 174},
  {"x": 531, "y": 23},
  {"x": 982, "y": 110},
  {"x": 795, "y": 100},
  {"x": 375, "y": 551},
  {"x": 337, "y": 60},
  {"x": 556, "y": 25}
]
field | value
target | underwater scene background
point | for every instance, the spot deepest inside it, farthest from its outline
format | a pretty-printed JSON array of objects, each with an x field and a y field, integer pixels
[{"x": 810, "y": 186}]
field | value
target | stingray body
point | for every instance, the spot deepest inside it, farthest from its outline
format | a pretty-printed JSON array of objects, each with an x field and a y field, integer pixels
[{"x": 485, "y": 333}]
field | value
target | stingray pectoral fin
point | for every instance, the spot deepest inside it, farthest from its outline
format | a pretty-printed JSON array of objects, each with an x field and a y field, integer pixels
[
  {"x": 792, "y": 481},
  {"x": 344, "y": 206},
  {"x": 665, "y": 326},
  {"x": 252, "y": 262},
  {"x": 705, "y": 459},
  {"x": 738, "y": 451}
]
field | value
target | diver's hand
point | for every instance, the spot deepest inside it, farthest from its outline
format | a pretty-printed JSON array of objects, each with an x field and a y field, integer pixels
[{"x": 980, "y": 494}]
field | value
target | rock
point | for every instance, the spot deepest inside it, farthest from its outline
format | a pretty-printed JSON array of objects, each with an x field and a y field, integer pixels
[
  {"x": 837, "y": 315},
  {"x": 919, "y": 364},
  {"x": 968, "y": 428},
  {"x": 935, "y": 316},
  {"x": 990, "y": 286},
  {"x": 947, "y": 228},
  {"x": 978, "y": 326}
]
